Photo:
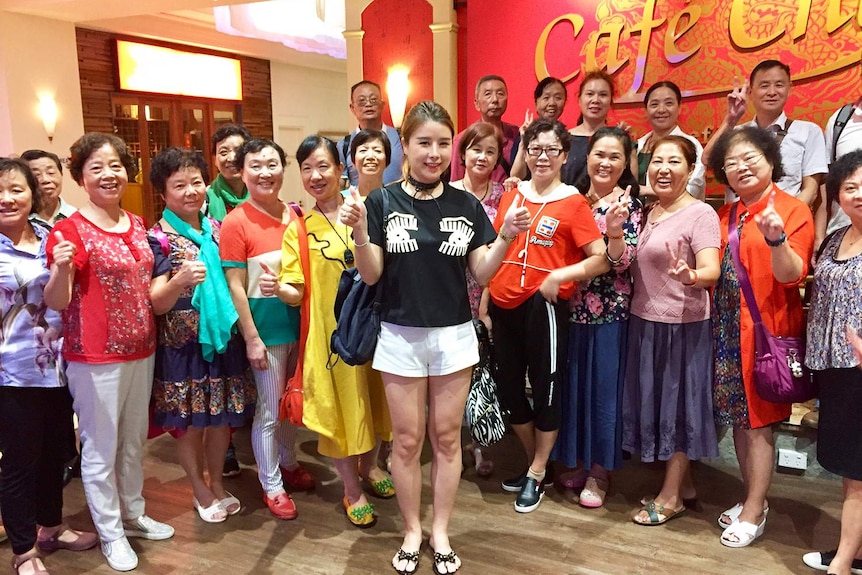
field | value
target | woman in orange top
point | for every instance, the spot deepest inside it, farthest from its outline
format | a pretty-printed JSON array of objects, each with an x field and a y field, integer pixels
[{"x": 776, "y": 238}]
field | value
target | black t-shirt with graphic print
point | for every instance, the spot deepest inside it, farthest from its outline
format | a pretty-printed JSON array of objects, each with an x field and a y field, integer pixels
[{"x": 426, "y": 248}]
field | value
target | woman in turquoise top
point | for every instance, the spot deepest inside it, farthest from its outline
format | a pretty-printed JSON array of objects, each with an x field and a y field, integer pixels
[{"x": 35, "y": 406}]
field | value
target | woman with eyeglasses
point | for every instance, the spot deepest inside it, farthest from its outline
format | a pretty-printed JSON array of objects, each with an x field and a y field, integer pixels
[
  {"x": 776, "y": 238},
  {"x": 529, "y": 301}
]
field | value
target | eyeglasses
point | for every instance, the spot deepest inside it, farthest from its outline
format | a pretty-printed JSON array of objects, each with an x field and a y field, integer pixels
[
  {"x": 362, "y": 102},
  {"x": 735, "y": 164},
  {"x": 550, "y": 151}
]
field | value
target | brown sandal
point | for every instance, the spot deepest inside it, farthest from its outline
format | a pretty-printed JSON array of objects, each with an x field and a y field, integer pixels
[{"x": 32, "y": 557}]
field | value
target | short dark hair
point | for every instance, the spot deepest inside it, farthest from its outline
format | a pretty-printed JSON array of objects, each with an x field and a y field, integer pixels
[
  {"x": 541, "y": 126},
  {"x": 544, "y": 83},
  {"x": 663, "y": 84},
  {"x": 627, "y": 179},
  {"x": 313, "y": 142},
  {"x": 31, "y": 155},
  {"x": 598, "y": 75},
  {"x": 689, "y": 152},
  {"x": 768, "y": 65},
  {"x": 226, "y": 132},
  {"x": 477, "y": 132},
  {"x": 20, "y": 166},
  {"x": 356, "y": 86},
  {"x": 761, "y": 139},
  {"x": 84, "y": 147},
  {"x": 369, "y": 135},
  {"x": 170, "y": 161},
  {"x": 255, "y": 145},
  {"x": 488, "y": 78},
  {"x": 839, "y": 171}
]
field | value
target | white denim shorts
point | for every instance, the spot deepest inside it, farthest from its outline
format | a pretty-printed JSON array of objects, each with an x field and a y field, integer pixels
[{"x": 423, "y": 351}]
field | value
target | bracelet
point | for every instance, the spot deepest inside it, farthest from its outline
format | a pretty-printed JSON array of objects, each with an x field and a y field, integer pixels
[
  {"x": 694, "y": 271},
  {"x": 776, "y": 243},
  {"x": 355, "y": 245},
  {"x": 504, "y": 237},
  {"x": 619, "y": 237}
]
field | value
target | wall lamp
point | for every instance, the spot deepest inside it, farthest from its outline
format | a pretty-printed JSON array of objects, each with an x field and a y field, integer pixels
[
  {"x": 397, "y": 88},
  {"x": 48, "y": 114}
]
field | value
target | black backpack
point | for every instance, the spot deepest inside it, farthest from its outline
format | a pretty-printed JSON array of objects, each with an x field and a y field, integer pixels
[{"x": 357, "y": 310}]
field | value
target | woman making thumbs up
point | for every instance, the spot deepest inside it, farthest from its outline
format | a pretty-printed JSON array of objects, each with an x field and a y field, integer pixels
[
  {"x": 202, "y": 384},
  {"x": 250, "y": 236}
]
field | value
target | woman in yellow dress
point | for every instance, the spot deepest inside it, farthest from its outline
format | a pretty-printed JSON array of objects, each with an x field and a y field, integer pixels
[{"x": 345, "y": 405}]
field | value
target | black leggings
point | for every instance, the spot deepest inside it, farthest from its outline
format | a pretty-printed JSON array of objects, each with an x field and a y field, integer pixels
[
  {"x": 35, "y": 428},
  {"x": 531, "y": 340}
]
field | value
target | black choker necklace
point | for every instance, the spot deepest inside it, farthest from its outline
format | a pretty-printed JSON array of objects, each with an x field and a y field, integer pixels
[{"x": 422, "y": 187}]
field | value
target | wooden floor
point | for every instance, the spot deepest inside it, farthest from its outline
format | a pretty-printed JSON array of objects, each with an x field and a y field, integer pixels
[{"x": 559, "y": 537}]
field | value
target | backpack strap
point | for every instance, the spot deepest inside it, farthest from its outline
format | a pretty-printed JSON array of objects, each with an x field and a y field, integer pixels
[{"x": 840, "y": 122}]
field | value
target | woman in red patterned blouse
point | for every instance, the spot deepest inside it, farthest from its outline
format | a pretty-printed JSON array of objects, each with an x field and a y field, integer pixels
[{"x": 101, "y": 265}]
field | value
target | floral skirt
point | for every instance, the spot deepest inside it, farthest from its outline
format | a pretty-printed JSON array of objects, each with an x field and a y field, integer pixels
[{"x": 191, "y": 392}]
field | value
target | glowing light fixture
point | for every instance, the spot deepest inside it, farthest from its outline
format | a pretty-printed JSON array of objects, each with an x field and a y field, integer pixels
[
  {"x": 147, "y": 68},
  {"x": 397, "y": 88},
  {"x": 48, "y": 114}
]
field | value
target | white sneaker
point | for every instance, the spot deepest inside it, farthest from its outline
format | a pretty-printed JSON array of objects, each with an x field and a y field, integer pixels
[
  {"x": 120, "y": 555},
  {"x": 147, "y": 528}
]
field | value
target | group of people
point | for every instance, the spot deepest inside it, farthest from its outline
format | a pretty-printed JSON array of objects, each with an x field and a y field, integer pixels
[{"x": 608, "y": 286}]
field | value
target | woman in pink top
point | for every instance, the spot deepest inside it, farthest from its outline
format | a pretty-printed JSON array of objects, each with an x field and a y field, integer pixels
[
  {"x": 101, "y": 265},
  {"x": 667, "y": 394}
]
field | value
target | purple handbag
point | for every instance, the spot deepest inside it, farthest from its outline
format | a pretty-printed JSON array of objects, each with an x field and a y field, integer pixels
[{"x": 779, "y": 373}]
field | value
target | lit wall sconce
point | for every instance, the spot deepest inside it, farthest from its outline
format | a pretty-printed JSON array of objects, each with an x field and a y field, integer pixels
[
  {"x": 397, "y": 88},
  {"x": 48, "y": 114}
]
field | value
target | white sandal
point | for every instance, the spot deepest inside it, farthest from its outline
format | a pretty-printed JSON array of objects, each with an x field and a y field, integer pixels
[
  {"x": 734, "y": 513},
  {"x": 742, "y": 533}
]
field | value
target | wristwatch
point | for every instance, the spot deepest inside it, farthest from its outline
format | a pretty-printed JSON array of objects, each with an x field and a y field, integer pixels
[{"x": 776, "y": 243}]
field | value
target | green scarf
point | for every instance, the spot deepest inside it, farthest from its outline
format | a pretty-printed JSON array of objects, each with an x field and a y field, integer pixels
[
  {"x": 220, "y": 195},
  {"x": 212, "y": 297}
]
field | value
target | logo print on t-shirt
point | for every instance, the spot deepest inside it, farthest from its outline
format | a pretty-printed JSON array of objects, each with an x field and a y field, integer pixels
[
  {"x": 460, "y": 232},
  {"x": 547, "y": 226},
  {"x": 398, "y": 240}
]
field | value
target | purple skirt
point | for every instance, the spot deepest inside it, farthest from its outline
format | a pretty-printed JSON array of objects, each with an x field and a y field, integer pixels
[{"x": 667, "y": 393}]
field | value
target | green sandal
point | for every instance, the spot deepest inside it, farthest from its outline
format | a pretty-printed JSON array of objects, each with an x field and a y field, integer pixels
[
  {"x": 359, "y": 515},
  {"x": 653, "y": 510},
  {"x": 384, "y": 488}
]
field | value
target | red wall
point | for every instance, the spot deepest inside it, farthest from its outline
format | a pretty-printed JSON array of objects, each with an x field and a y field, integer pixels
[
  {"x": 510, "y": 51},
  {"x": 397, "y": 33}
]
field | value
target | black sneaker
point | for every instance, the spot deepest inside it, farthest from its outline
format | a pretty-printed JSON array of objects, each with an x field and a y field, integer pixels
[
  {"x": 514, "y": 484},
  {"x": 822, "y": 560},
  {"x": 231, "y": 465},
  {"x": 530, "y": 496}
]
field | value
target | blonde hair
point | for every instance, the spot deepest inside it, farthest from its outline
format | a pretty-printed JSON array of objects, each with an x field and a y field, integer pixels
[{"x": 422, "y": 113}]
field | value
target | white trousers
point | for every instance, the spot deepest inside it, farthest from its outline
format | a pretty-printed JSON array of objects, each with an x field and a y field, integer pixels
[
  {"x": 273, "y": 441},
  {"x": 111, "y": 401}
]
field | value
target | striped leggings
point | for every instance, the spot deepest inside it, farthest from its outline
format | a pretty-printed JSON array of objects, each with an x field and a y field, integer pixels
[{"x": 273, "y": 441}]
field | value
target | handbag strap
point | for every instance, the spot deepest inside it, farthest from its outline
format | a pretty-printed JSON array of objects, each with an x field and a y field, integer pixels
[
  {"x": 742, "y": 274},
  {"x": 378, "y": 294},
  {"x": 305, "y": 308}
]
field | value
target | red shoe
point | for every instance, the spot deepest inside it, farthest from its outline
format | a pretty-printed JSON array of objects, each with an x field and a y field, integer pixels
[
  {"x": 298, "y": 480},
  {"x": 282, "y": 506}
]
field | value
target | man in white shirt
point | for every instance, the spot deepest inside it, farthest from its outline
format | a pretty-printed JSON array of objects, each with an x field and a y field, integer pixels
[
  {"x": 366, "y": 103},
  {"x": 48, "y": 172},
  {"x": 846, "y": 124},
  {"x": 803, "y": 148}
]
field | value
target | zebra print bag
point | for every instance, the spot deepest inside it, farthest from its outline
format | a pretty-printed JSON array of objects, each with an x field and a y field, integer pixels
[{"x": 483, "y": 413}]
